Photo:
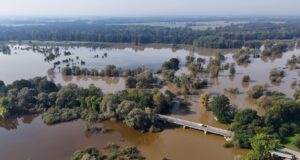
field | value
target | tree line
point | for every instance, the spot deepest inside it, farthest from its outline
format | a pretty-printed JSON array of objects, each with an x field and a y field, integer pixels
[{"x": 233, "y": 36}]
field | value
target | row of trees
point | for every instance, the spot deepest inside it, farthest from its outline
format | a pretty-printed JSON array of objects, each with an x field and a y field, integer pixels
[
  {"x": 135, "y": 78},
  {"x": 214, "y": 41},
  {"x": 109, "y": 71},
  {"x": 233, "y": 36}
]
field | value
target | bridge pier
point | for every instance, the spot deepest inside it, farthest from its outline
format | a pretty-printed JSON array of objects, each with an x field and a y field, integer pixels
[{"x": 205, "y": 131}]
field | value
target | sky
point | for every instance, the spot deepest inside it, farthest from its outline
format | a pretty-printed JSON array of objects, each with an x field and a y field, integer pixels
[{"x": 140, "y": 8}]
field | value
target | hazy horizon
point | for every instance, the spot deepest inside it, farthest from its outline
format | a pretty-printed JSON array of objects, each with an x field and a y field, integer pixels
[{"x": 145, "y": 8}]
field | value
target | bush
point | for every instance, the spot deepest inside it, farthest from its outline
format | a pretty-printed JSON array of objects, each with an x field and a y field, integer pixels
[
  {"x": 124, "y": 109},
  {"x": 246, "y": 78},
  {"x": 126, "y": 153},
  {"x": 276, "y": 75},
  {"x": 189, "y": 59},
  {"x": 117, "y": 153},
  {"x": 232, "y": 69},
  {"x": 55, "y": 115},
  {"x": 88, "y": 153},
  {"x": 111, "y": 71},
  {"x": 257, "y": 91},
  {"x": 195, "y": 68},
  {"x": 66, "y": 71},
  {"x": 172, "y": 64},
  {"x": 199, "y": 84},
  {"x": 131, "y": 82},
  {"x": 138, "y": 119}
]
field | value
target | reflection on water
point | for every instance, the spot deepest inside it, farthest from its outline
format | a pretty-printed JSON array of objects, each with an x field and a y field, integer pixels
[
  {"x": 107, "y": 84},
  {"x": 24, "y": 64}
]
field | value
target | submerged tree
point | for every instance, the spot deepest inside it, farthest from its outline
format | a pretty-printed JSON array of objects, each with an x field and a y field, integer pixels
[
  {"x": 172, "y": 64},
  {"x": 204, "y": 100},
  {"x": 246, "y": 79},
  {"x": 214, "y": 66},
  {"x": 232, "y": 69},
  {"x": 88, "y": 153}
]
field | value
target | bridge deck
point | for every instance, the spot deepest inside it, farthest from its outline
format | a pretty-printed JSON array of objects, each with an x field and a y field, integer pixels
[{"x": 197, "y": 126}]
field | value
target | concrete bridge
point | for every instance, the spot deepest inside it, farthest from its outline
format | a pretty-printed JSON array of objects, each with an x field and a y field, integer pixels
[
  {"x": 222, "y": 132},
  {"x": 197, "y": 126}
]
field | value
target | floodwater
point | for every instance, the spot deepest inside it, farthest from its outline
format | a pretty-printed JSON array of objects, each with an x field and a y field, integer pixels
[
  {"x": 259, "y": 71},
  {"x": 29, "y": 138},
  {"x": 24, "y": 64}
]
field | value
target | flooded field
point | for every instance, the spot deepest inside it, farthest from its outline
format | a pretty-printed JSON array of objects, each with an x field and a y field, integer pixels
[
  {"x": 259, "y": 71},
  {"x": 15, "y": 135}
]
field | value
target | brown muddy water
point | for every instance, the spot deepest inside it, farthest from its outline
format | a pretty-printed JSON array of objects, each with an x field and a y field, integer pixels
[{"x": 29, "y": 138}]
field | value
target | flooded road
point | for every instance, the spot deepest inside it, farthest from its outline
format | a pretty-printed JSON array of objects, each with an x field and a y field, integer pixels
[{"x": 32, "y": 139}]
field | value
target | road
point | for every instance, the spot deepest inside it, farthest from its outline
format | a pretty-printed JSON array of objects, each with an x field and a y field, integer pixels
[{"x": 197, "y": 126}]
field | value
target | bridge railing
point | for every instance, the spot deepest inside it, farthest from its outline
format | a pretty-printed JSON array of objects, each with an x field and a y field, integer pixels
[{"x": 197, "y": 126}]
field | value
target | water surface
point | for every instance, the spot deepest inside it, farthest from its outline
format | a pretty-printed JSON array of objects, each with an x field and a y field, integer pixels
[{"x": 31, "y": 139}]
